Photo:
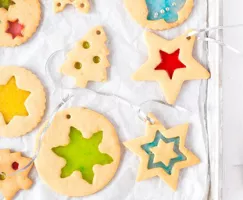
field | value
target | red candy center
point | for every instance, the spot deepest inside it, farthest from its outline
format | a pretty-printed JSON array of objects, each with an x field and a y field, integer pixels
[
  {"x": 170, "y": 62},
  {"x": 15, "y": 166},
  {"x": 15, "y": 28}
]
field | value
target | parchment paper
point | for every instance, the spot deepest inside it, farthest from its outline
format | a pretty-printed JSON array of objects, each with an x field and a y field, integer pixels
[{"x": 128, "y": 52}]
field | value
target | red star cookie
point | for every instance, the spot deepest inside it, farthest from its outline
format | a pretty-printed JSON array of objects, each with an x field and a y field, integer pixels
[{"x": 170, "y": 62}]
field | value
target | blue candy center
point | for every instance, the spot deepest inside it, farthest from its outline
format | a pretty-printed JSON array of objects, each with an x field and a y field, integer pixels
[
  {"x": 151, "y": 164},
  {"x": 164, "y": 9}
]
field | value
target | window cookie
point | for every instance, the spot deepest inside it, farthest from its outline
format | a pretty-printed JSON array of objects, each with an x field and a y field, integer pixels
[
  {"x": 22, "y": 101},
  {"x": 82, "y": 150},
  {"x": 19, "y": 21},
  {"x": 81, "y": 5},
  {"x": 170, "y": 63},
  {"x": 88, "y": 60},
  {"x": 162, "y": 152},
  {"x": 9, "y": 163},
  {"x": 159, "y": 14}
]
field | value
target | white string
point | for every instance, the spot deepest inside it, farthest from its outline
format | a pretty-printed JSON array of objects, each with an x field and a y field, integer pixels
[{"x": 212, "y": 40}]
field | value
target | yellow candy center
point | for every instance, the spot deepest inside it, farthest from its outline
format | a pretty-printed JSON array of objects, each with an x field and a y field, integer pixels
[{"x": 12, "y": 100}]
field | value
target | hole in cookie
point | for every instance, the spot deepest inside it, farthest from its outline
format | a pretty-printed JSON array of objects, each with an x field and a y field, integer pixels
[
  {"x": 6, "y": 4},
  {"x": 86, "y": 45},
  {"x": 170, "y": 62},
  {"x": 98, "y": 32},
  {"x": 2, "y": 176},
  {"x": 12, "y": 100},
  {"x": 96, "y": 59},
  {"x": 15, "y": 166},
  {"x": 164, "y": 152},
  {"x": 59, "y": 4},
  {"x": 78, "y": 65},
  {"x": 15, "y": 29},
  {"x": 82, "y": 5},
  {"x": 68, "y": 116},
  {"x": 81, "y": 154}
]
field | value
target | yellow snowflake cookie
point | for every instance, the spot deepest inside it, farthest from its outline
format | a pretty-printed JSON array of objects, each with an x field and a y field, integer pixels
[
  {"x": 82, "y": 150},
  {"x": 9, "y": 163},
  {"x": 81, "y": 5},
  {"x": 19, "y": 21},
  {"x": 87, "y": 61},
  {"x": 22, "y": 101}
]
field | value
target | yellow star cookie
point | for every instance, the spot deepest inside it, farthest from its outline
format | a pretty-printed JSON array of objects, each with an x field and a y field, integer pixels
[
  {"x": 162, "y": 152},
  {"x": 22, "y": 101},
  {"x": 170, "y": 63},
  {"x": 81, "y": 5},
  {"x": 87, "y": 61},
  {"x": 9, "y": 163}
]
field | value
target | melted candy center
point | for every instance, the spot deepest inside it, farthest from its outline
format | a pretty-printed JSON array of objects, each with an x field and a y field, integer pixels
[
  {"x": 81, "y": 154},
  {"x": 12, "y": 100}
]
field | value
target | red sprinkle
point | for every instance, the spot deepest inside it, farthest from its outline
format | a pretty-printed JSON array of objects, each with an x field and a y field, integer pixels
[{"x": 15, "y": 165}]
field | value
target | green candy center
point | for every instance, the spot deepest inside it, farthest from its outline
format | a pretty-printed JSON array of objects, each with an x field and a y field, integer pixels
[
  {"x": 6, "y": 4},
  {"x": 82, "y": 154}
]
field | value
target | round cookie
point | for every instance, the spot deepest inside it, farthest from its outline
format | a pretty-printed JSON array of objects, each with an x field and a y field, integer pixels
[
  {"x": 19, "y": 21},
  {"x": 159, "y": 15},
  {"x": 82, "y": 150},
  {"x": 22, "y": 101}
]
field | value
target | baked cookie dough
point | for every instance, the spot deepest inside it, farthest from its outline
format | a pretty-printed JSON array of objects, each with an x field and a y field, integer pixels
[
  {"x": 22, "y": 101},
  {"x": 10, "y": 163},
  {"x": 81, "y": 5},
  {"x": 159, "y": 15},
  {"x": 162, "y": 152},
  {"x": 170, "y": 63},
  {"x": 82, "y": 150},
  {"x": 19, "y": 21},
  {"x": 87, "y": 61}
]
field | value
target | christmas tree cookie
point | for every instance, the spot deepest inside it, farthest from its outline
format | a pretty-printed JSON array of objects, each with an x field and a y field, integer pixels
[
  {"x": 170, "y": 63},
  {"x": 22, "y": 101},
  {"x": 19, "y": 21},
  {"x": 159, "y": 14},
  {"x": 82, "y": 150},
  {"x": 10, "y": 163},
  {"x": 81, "y": 5},
  {"x": 87, "y": 61},
  {"x": 162, "y": 152}
]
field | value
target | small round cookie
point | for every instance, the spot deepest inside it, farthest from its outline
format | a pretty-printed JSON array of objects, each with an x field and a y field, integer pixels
[
  {"x": 22, "y": 101},
  {"x": 159, "y": 15},
  {"x": 19, "y": 21},
  {"x": 82, "y": 150}
]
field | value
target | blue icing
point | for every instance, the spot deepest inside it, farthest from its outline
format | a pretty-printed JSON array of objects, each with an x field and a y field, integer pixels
[
  {"x": 164, "y": 9},
  {"x": 173, "y": 161}
]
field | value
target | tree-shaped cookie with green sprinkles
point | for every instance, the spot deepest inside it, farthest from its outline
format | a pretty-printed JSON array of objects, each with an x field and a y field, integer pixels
[{"x": 87, "y": 61}]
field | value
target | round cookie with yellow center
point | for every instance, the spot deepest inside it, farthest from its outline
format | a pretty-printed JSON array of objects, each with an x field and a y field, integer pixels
[
  {"x": 82, "y": 150},
  {"x": 22, "y": 101},
  {"x": 19, "y": 21},
  {"x": 159, "y": 15}
]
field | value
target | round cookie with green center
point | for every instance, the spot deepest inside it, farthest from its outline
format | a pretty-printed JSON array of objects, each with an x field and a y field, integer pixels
[{"x": 82, "y": 150}]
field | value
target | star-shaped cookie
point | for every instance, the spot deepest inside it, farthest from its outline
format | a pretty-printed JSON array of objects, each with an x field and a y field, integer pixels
[
  {"x": 162, "y": 152},
  {"x": 170, "y": 62}
]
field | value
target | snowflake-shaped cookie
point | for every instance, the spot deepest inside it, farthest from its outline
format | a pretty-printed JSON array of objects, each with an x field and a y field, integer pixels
[{"x": 9, "y": 163}]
